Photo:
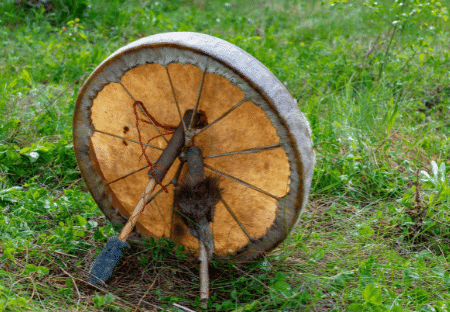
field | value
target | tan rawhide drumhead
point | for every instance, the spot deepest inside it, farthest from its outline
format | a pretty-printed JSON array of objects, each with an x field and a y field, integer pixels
[{"x": 257, "y": 142}]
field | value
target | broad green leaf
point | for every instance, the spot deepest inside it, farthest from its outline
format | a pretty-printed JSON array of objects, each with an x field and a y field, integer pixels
[
  {"x": 281, "y": 285},
  {"x": 98, "y": 235},
  {"x": 78, "y": 234},
  {"x": 365, "y": 231},
  {"x": 19, "y": 301},
  {"x": 109, "y": 298},
  {"x": 42, "y": 270},
  {"x": 8, "y": 253},
  {"x": 372, "y": 295},
  {"x": 80, "y": 220},
  {"x": 424, "y": 254},
  {"x": 283, "y": 288},
  {"x": 26, "y": 150},
  {"x": 444, "y": 194},
  {"x": 409, "y": 274},
  {"x": 31, "y": 268}
]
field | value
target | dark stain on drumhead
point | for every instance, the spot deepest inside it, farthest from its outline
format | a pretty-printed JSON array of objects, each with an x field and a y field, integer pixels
[
  {"x": 178, "y": 230},
  {"x": 124, "y": 142},
  {"x": 126, "y": 129}
]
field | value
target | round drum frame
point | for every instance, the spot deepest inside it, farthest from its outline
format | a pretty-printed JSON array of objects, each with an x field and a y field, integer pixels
[{"x": 242, "y": 79}]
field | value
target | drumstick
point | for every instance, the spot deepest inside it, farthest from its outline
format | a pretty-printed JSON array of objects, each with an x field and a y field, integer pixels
[{"x": 105, "y": 263}]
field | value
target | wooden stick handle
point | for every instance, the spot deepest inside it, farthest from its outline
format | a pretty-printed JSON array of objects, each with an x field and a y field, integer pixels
[
  {"x": 204, "y": 275},
  {"x": 129, "y": 226}
]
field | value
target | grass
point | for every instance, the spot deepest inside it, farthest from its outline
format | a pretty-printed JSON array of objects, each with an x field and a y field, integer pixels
[{"x": 375, "y": 236}]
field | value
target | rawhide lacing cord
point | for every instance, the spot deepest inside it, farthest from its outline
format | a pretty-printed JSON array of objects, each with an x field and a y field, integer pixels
[
  {"x": 160, "y": 125},
  {"x": 169, "y": 128},
  {"x": 166, "y": 127}
]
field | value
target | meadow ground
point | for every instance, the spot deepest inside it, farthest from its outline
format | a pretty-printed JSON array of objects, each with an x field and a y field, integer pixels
[{"x": 372, "y": 79}]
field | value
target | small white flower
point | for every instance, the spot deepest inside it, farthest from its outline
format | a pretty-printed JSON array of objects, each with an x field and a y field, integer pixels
[{"x": 34, "y": 155}]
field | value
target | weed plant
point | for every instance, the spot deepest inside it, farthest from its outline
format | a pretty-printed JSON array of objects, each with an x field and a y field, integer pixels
[{"x": 373, "y": 81}]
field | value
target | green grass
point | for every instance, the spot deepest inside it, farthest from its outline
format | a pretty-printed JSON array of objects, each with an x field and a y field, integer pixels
[{"x": 375, "y": 236}]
